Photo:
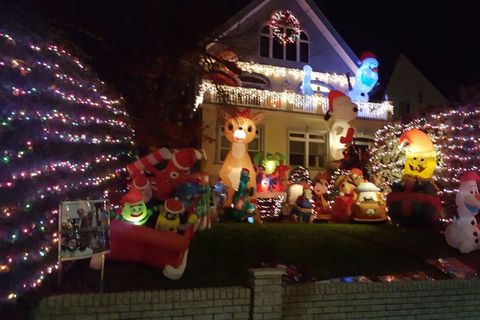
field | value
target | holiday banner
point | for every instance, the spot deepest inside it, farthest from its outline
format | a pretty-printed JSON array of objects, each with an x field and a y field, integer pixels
[{"x": 83, "y": 229}]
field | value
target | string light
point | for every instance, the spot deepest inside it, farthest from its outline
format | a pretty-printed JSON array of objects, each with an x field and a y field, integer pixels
[
  {"x": 455, "y": 136},
  {"x": 63, "y": 138},
  {"x": 210, "y": 92},
  {"x": 270, "y": 207},
  {"x": 285, "y": 17}
]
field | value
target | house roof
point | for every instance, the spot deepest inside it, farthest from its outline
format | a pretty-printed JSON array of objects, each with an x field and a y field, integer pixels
[{"x": 312, "y": 11}]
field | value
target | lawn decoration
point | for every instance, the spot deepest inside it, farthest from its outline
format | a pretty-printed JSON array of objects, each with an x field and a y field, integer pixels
[
  {"x": 368, "y": 203},
  {"x": 463, "y": 234},
  {"x": 240, "y": 131},
  {"x": 169, "y": 218},
  {"x": 366, "y": 78},
  {"x": 187, "y": 193},
  {"x": 160, "y": 184},
  {"x": 306, "y": 83},
  {"x": 270, "y": 172},
  {"x": 342, "y": 110},
  {"x": 299, "y": 181},
  {"x": 282, "y": 171},
  {"x": 242, "y": 208},
  {"x": 134, "y": 209},
  {"x": 345, "y": 187},
  {"x": 421, "y": 156},
  {"x": 163, "y": 247},
  {"x": 220, "y": 192},
  {"x": 414, "y": 201},
  {"x": 302, "y": 211},
  {"x": 202, "y": 205},
  {"x": 322, "y": 210}
]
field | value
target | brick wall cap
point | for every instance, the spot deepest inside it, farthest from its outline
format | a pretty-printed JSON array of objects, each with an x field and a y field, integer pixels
[{"x": 267, "y": 272}]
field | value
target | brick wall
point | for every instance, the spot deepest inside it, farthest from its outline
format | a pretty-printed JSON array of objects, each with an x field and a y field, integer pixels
[
  {"x": 446, "y": 299},
  {"x": 209, "y": 303},
  {"x": 268, "y": 299}
]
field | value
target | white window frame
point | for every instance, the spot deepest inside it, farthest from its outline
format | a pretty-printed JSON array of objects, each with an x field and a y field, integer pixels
[
  {"x": 307, "y": 138},
  {"x": 220, "y": 134},
  {"x": 297, "y": 43}
]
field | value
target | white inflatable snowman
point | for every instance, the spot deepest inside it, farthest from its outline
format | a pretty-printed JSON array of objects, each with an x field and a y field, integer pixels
[
  {"x": 342, "y": 111},
  {"x": 365, "y": 78},
  {"x": 463, "y": 234}
]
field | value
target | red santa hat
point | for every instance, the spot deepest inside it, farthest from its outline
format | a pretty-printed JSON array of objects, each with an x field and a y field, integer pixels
[
  {"x": 367, "y": 55},
  {"x": 470, "y": 176},
  {"x": 174, "y": 206},
  {"x": 357, "y": 171},
  {"x": 245, "y": 170},
  {"x": 132, "y": 198},
  {"x": 185, "y": 158},
  {"x": 420, "y": 144},
  {"x": 335, "y": 94},
  {"x": 322, "y": 176}
]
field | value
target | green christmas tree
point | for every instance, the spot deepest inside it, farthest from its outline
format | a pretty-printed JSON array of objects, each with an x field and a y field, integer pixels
[{"x": 62, "y": 137}]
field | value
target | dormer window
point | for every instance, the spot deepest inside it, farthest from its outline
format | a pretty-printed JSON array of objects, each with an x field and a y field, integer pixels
[{"x": 272, "y": 48}]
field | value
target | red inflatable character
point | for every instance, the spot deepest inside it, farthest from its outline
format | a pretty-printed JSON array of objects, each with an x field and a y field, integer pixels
[{"x": 160, "y": 184}]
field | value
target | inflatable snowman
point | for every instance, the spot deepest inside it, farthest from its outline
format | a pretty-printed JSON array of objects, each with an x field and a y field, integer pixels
[
  {"x": 342, "y": 110},
  {"x": 366, "y": 78},
  {"x": 463, "y": 234}
]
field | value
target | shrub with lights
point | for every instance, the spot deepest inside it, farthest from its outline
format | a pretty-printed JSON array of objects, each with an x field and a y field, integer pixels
[
  {"x": 62, "y": 138},
  {"x": 454, "y": 134}
]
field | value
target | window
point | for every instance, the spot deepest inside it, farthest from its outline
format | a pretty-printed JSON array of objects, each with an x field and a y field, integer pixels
[
  {"x": 223, "y": 145},
  {"x": 271, "y": 48},
  {"x": 307, "y": 149}
]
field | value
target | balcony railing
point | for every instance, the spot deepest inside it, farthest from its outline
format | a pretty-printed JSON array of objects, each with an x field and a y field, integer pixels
[{"x": 287, "y": 100}]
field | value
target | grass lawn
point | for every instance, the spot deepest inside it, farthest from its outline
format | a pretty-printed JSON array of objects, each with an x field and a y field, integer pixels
[{"x": 222, "y": 255}]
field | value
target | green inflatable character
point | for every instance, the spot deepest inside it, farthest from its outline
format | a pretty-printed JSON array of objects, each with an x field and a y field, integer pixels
[
  {"x": 134, "y": 209},
  {"x": 242, "y": 208}
]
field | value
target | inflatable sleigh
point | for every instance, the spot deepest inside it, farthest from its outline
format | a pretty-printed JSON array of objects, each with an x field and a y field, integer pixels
[{"x": 159, "y": 247}]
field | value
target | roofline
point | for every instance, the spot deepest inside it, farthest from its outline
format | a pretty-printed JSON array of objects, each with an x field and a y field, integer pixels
[
  {"x": 313, "y": 12},
  {"x": 309, "y": 7}
]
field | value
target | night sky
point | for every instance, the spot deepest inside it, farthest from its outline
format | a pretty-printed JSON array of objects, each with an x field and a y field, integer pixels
[{"x": 442, "y": 41}]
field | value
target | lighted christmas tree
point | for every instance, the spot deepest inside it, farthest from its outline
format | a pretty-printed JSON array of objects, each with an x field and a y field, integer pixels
[
  {"x": 455, "y": 136},
  {"x": 62, "y": 137}
]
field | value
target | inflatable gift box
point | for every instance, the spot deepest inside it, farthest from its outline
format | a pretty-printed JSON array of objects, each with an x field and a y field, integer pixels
[{"x": 414, "y": 203}]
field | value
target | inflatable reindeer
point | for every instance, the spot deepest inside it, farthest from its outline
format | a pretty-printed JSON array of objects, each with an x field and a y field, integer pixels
[{"x": 240, "y": 131}]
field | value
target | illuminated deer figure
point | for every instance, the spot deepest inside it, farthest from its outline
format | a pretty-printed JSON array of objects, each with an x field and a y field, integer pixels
[{"x": 240, "y": 131}]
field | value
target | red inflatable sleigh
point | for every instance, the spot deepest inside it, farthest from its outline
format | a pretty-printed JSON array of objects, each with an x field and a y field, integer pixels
[
  {"x": 156, "y": 248},
  {"x": 161, "y": 249}
]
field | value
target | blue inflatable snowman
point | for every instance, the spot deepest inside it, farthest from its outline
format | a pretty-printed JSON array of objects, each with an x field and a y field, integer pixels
[{"x": 365, "y": 78}]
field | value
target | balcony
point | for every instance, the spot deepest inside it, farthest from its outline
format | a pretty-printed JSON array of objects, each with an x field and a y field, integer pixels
[{"x": 287, "y": 101}]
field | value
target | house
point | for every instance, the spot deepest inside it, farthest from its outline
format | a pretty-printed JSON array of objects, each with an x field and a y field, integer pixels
[
  {"x": 273, "y": 72},
  {"x": 410, "y": 90}
]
